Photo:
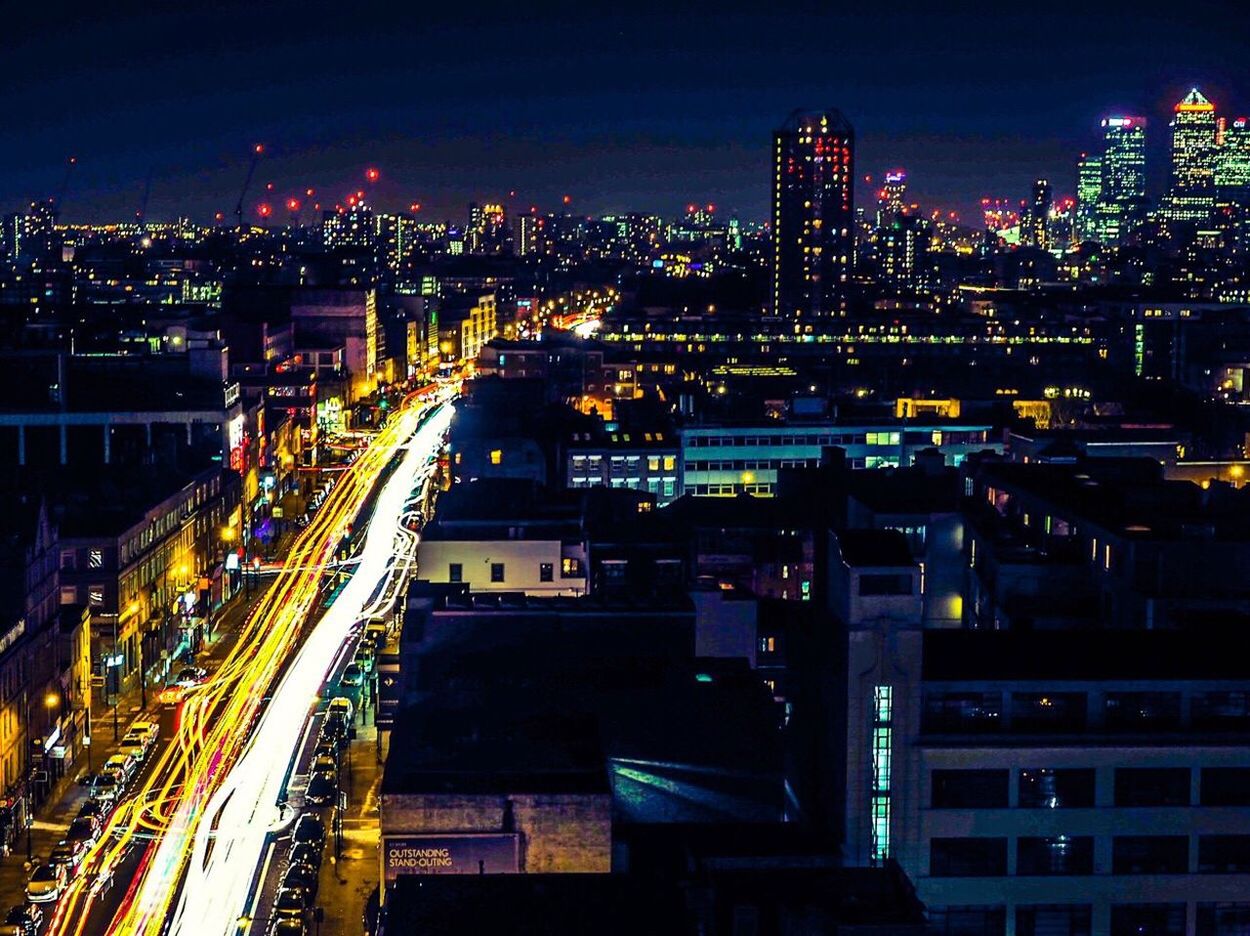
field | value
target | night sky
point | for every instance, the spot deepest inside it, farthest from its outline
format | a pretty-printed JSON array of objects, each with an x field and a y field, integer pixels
[{"x": 643, "y": 107}]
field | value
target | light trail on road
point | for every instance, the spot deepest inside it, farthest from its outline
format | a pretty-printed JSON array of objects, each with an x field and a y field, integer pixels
[
  {"x": 166, "y": 814},
  {"x": 244, "y": 809}
]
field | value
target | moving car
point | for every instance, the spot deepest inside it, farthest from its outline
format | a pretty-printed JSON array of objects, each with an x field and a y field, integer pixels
[
  {"x": 309, "y": 830},
  {"x": 22, "y": 920},
  {"x": 46, "y": 883}
]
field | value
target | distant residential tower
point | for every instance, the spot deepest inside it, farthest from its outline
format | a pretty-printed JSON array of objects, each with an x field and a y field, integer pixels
[{"x": 813, "y": 218}]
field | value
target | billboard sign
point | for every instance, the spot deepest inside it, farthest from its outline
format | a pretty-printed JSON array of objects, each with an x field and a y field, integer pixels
[{"x": 451, "y": 853}]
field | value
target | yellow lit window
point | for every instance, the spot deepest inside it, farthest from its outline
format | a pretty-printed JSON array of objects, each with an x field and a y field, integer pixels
[{"x": 496, "y": 457}]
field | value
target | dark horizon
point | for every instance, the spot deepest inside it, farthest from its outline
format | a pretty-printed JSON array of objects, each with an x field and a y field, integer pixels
[{"x": 645, "y": 112}]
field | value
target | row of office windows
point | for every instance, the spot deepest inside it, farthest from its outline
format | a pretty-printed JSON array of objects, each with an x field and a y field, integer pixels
[
  {"x": 971, "y": 712},
  {"x": 666, "y": 486},
  {"x": 570, "y": 567},
  {"x": 882, "y": 437},
  {"x": 1074, "y": 855},
  {"x": 1075, "y": 787},
  {"x": 1152, "y": 919},
  {"x": 630, "y": 463}
]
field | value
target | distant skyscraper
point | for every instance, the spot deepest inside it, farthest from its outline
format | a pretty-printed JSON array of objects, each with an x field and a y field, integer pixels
[
  {"x": 1191, "y": 195},
  {"x": 1122, "y": 201},
  {"x": 813, "y": 217},
  {"x": 903, "y": 253},
  {"x": 891, "y": 198},
  {"x": 487, "y": 232},
  {"x": 1232, "y": 168},
  {"x": 350, "y": 228},
  {"x": 1088, "y": 196},
  {"x": 1035, "y": 226}
]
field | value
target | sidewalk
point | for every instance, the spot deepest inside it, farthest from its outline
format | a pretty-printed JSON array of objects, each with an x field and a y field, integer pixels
[{"x": 52, "y": 819}]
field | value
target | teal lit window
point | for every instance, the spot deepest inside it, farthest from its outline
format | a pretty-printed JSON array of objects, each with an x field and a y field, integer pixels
[{"x": 882, "y": 762}]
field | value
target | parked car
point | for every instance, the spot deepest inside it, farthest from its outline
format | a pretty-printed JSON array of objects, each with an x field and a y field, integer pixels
[
  {"x": 306, "y": 854},
  {"x": 352, "y": 676},
  {"x": 287, "y": 926},
  {"x": 292, "y": 903},
  {"x": 341, "y": 706},
  {"x": 122, "y": 766},
  {"x": 309, "y": 830},
  {"x": 84, "y": 829},
  {"x": 365, "y": 657},
  {"x": 191, "y": 676},
  {"x": 93, "y": 809},
  {"x": 105, "y": 788},
  {"x": 46, "y": 883},
  {"x": 300, "y": 876},
  {"x": 133, "y": 746},
  {"x": 322, "y": 789},
  {"x": 22, "y": 920},
  {"x": 68, "y": 853},
  {"x": 148, "y": 730},
  {"x": 326, "y": 748}
]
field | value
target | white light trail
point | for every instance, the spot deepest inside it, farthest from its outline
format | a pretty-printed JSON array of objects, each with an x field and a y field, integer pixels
[{"x": 229, "y": 846}]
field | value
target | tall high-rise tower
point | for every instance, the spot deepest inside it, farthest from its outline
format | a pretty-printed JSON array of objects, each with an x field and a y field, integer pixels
[
  {"x": 813, "y": 217},
  {"x": 1191, "y": 195},
  {"x": 1088, "y": 196},
  {"x": 1035, "y": 227},
  {"x": 1122, "y": 205},
  {"x": 890, "y": 204},
  {"x": 1232, "y": 170}
]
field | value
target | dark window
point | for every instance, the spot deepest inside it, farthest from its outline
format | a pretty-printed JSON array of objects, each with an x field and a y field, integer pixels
[
  {"x": 455, "y": 572},
  {"x": 1150, "y": 854},
  {"x": 970, "y": 789},
  {"x": 1048, "y": 712},
  {"x": 1053, "y": 920},
  {"x": 1060, "y": 854},
  {"x": 1224, "y": 854},
  {"x": 1152, "y": 786},
  {"x": 1056, "y": 788},
  {"x": 1220, "y": 711},
  {"x": 967, "y": 921},
  {"x": 1148, "y": 919},
  {"x": 870, "y": 585},
  {"x": 967, "y": 857},
  {"x": 546, "y": 572},
  {"x": 1143, "y": 711},
  {"x": 1225, "y": 786},
  {"x": 962, "y": 712},
  {"x": 496, "y": 571},
  {"x": 1223, "y": 919}
]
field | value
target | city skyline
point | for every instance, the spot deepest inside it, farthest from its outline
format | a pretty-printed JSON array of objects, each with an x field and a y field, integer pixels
[{"x": 646, "y": 127}]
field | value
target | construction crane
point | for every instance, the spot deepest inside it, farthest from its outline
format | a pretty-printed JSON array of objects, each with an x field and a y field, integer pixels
[
  {"x": 142, "y": 214},
  {"x": 70, "y": 163},
  {"x": 257, "y": 150}
]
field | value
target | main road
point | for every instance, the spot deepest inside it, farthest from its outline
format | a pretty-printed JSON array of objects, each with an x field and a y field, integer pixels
[{"x": 200, "y": 820}]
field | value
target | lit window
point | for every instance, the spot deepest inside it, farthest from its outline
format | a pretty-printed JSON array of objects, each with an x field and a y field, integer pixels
[{"x": 496, "y": 456}]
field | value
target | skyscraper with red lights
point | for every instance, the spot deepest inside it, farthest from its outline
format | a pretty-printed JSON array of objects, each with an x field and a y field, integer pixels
[{"x": 813, "y": 218}]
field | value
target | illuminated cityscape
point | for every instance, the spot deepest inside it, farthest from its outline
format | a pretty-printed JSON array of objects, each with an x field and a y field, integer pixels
[{"x": 498, "y": 471}]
